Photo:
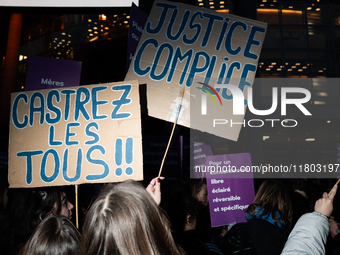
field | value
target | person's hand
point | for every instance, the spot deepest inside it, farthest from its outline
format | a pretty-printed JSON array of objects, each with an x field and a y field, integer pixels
[
  {"x": 334, "y": 228},
  {"x": 325, "y": 204},
  {"x": 154, "y": 189}
]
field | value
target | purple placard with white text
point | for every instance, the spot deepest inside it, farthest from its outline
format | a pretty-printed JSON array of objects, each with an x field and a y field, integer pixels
[
  {"x": 229, "y": 197},
  {"x": 136, "y": 25},
  {"x": 49, "y": 73},
  {"x": 201, "y": 151}
]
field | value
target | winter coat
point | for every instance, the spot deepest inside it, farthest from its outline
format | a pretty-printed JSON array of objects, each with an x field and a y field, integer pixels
[{"x": 309, "y": 235}]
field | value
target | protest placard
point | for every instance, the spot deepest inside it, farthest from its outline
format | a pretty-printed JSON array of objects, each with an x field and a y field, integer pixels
[
  {"x": 49, "y": 73},
  {"x": 182, "y": 42},
  {"x": 200, "y": 152},
  {"x": 136, "y": 25},
  {"x": 87, "y": 134},
  {"x": 229, "y": 197}
]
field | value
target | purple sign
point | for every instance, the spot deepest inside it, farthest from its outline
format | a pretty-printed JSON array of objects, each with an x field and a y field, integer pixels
[
  {"x": 137, "y": 22},
  {"x": 229, "y": 197},
  {"x": 201, "y": 151},
  {"x": 49, "y": 73}
]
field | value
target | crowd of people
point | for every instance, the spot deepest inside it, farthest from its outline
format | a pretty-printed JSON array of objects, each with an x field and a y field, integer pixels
[{"x": 128, "y": 218}]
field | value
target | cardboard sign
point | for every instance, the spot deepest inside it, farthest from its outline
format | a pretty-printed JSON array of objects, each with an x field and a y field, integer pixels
[
  {"x": 200, "y": 152},
  {"x": 229, "y": 197},
  {"x": 136, "y": 25},
  {"x": 182, "y": 42},
  {"x": 50, "y": 73},
  {"x": 88, "y": 134}
]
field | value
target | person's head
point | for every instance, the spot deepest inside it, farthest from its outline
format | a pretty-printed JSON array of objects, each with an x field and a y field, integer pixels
[
  {"x": 198, "y": 190},
  {"x": 124, "y": 219},
  {"x": 55, "y": 235},
  {"x": 28, "y": 207},
  {"x": 273, "y": 197},
  {"x": 3, "y": 191},
  {"x": 182, "y": 211},
  {"x": 53, "y": 201}
]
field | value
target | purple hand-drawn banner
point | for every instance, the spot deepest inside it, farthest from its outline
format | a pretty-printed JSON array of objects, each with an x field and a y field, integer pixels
[
  {"x": 49, "y": 73},
  {"x": 136, "y": 25},
  {"x": 201, "y": 151},
  {"x": 229, "y": 197}
]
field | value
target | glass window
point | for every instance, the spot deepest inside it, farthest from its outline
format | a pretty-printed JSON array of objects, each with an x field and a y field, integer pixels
[
  {"x": 46, "y": 25},
  {"x": 59, "y": 23},
  {"x": 268, "y": 15},
  {"x": 294, "y": 37},
  {"x": 34, "y": 47},
  {"x": 74, "y": 19},
  {"x": 34, "y": 32},
  {"x": 322, "y": 61},
  {"x": 336, "y": 33},
  {"x": 293, "y": 13},
  {"x": 320, "y": 91},
  {"x": 338, "y": 60},
  {"x": 74, "y": 35},
  {"x": 297, "y": 62},
  {"x": 271, "y": 62},
  {"x": 273, "y": 38},
  {"x": 319, "y": 37},
  {"x": 335, "y": 14},
  {"x": 60, "y": 40},
  {"x": 318, "y": 14}
]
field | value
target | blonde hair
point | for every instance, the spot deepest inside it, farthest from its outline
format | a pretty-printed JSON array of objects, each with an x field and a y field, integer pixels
[{"x": 125, "y": 220}]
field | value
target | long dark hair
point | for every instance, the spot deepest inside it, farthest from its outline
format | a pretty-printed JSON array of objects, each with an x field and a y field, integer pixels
[
  {"x": 54, "y": 235},
  {"x": 273, "y": 197},
  {"x": 125, "y": 219},
  {"x": 25, "y": 210}
]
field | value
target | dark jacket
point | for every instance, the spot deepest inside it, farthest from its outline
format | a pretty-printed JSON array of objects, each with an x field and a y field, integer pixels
[{"x": 267, "y": 238}]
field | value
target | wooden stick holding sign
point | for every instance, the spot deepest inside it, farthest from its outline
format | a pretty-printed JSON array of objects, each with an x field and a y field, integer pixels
[{"x": 172, "y": 132}]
